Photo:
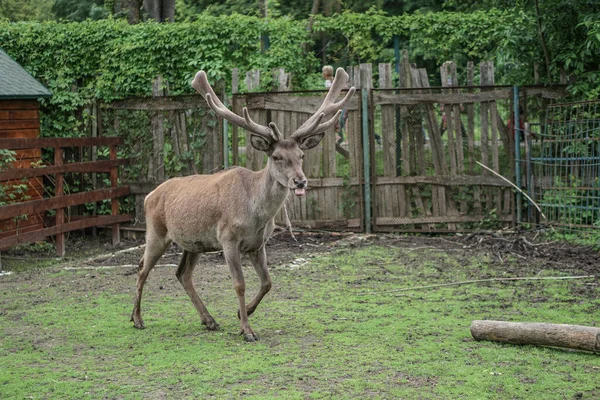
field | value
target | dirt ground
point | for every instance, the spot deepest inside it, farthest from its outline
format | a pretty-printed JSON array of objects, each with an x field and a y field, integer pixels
[{"x": 501, "y": 249}]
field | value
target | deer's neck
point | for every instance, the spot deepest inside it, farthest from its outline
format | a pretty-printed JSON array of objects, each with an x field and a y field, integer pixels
[{"x": 271, "y": 196}]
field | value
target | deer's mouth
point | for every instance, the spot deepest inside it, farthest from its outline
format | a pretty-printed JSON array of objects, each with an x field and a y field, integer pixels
[{"x": 300, "y": 192}]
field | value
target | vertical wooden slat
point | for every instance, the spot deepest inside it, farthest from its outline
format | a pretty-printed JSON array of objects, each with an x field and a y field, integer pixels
[
  {"x": 254, "y": 158},
  {"x": 114, "y": 182},
  {"x": 393, "y": 196},
  {"x": 436, "y": 196},
  {"x": 484, "y": 108},
  {"x": 471, "y": 140},
  {"x": 156, "y": 168},
  {"x": 60, "y": 212}
]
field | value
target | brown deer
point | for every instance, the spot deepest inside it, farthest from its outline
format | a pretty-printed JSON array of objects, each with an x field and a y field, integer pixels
[{"x": 232, "y": 210}]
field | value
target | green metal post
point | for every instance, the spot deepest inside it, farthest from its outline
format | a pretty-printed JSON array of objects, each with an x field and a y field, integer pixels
[
  {"x": 517, "y": 132},
  {"x": 225, "y": 135},
  {"x": 366, "y": 158},
  {"x": 225, "y": 144},
  {"x": 397, "y": 53}
]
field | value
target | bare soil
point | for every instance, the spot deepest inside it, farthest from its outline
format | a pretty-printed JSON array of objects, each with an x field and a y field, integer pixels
[{"x": 532, "y": 254}]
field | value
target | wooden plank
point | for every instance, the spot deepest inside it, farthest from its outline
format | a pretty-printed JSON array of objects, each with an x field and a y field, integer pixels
[
  {"x": 13, "y": 210},
  {"x": 445, "y": 180},
  {"x": 471, "y": 139},
  {"x": 80, "y": 167},
  {"x": 19, "y": 124},
  {"x": 19, "y": 114},
  {"x": 413, "y": 97},
  {"x": 21, "y": 231},
  {"x": 12, "y": 225},
  {"x": 28, "y": 154},
  {"x": 285, "y": 102},
  {"x": 156, "y": 164},
  {"x": 342, "y": 224},
  {"x": 162, "y": 103},
  {"x": 28, "y": 143},
  {"x": 329, "y": 161},
  {"x": 388, "y": 130},
  {"x": 19, "y": 133},
  {"x": 19, "y": 105},
  {"x": 446, "y": 219},
  {"x": 61, "y": 229}
]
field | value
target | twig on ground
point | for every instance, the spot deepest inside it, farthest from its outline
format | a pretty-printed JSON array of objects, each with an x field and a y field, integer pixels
[{"x": 529, "y": 278}]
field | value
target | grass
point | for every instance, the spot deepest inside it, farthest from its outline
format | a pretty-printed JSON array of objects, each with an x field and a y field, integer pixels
[{"x": 331, "y": 328}]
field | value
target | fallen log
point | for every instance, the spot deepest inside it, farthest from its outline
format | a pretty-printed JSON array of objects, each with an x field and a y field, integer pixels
[{"x": 557, "y": 335}]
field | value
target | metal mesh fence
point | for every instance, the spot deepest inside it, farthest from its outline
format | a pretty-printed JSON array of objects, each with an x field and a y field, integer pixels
[{"x": 563, "y": 155}]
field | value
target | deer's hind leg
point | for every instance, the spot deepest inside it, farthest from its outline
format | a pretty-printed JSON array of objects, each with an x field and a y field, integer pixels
[
  {"x": 184, "y": 275},
  {"x": 155, "y": 248}
]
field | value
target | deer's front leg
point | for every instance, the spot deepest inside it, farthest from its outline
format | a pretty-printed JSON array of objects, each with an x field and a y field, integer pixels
[
  {"x": 259, "y": 261},
  {"x": 233, "y": 259}
]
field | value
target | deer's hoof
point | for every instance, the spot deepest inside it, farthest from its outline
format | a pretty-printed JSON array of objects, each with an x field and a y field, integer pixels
[
  {"x": 139, "y": 325},
  {"x": 250, "y": 337},
  {"x": 210, "y": 324}
]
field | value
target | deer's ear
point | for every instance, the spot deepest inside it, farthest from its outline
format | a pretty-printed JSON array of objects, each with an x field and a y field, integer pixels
[
  {"x": 260, "y": 143},
  {"x": 311, "y": 141}
]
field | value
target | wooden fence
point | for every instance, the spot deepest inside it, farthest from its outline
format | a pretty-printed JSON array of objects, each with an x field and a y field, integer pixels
[
  {"x": 60, "y": 202},
  {"x": 420, "y": 145},
  {"x": 334, "y": 172},
  {"x": 165, "y": 136},
  {"x": 406, "y": 162}
]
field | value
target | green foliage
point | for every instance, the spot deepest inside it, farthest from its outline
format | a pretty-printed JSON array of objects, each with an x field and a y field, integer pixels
[
  {"x": 481, "y": 35},
  {"x": 79, "y": 10},
  {"x": 109, "y": 59},
  {"x": 26, "y": 10}
]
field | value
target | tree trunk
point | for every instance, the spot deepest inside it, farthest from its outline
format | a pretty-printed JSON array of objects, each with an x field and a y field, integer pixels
[
  {"x": 557, "y": 335},
  {"x": 542, "y": 41},
  {"x": 134, "y": 11},
  {"x": 160, "y": 10}
]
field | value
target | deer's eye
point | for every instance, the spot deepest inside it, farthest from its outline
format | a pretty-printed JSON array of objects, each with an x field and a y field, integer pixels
[{"x": 276, "y": 158}]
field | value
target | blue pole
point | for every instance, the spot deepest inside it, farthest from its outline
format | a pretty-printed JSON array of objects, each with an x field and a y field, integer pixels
[
  {"x": 517, "y": 133},
  {"x": 366, "y": 158}
]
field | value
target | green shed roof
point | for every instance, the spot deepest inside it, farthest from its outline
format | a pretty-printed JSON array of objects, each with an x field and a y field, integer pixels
[{"x": 16, "y": 83}]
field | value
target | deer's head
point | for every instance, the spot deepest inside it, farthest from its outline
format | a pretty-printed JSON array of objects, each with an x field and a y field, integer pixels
[{"x": 285, "y": 155}]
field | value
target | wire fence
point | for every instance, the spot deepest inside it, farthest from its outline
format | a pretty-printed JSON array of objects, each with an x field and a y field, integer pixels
[{"x": 564, "y": 159}]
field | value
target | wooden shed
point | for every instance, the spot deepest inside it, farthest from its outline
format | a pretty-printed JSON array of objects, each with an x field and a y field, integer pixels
[{"x": 20, "y": 118}]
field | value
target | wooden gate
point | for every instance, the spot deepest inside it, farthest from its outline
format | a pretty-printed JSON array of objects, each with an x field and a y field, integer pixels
[
  {"x": 334, "y": 171},
  {"x": 426, "y": 143}
]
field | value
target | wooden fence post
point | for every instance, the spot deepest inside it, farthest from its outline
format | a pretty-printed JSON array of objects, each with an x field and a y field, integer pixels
[
  {"x": 156, "y": 166},
  {"x": 114, "y": 183},
  {"x": 60, "y": 212},
  {"x": 254, "y": 158}
]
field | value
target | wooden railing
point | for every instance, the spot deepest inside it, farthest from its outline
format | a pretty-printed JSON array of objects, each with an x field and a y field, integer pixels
[{"x": 61, "y": 201}]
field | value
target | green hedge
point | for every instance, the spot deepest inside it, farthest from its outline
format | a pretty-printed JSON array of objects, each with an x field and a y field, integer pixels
[{"x": 109, "y": 59}]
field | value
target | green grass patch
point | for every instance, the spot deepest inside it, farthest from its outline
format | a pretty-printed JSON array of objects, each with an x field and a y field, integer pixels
[{"x": 335, "y": 327}]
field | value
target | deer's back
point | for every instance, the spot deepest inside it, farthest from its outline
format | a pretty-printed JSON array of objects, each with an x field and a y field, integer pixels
[{"x": 195, "y": 211}]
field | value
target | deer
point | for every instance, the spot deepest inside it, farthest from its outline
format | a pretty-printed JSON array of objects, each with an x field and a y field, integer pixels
[{"x": 233, "y": 210}]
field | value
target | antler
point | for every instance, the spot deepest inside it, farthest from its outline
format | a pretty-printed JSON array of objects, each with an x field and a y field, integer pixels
[
  {"x": 200, "y": 83},
  {"x": 313, "y": 125}
]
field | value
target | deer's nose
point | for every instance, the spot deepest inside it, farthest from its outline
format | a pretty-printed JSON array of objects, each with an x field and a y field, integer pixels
[{"x": 300, "y": 183}]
